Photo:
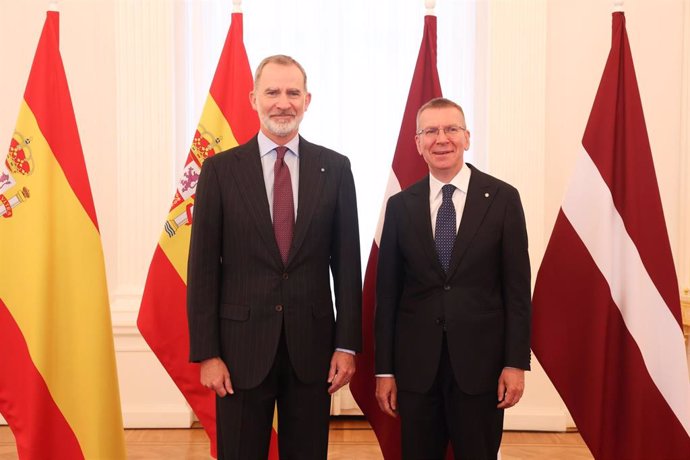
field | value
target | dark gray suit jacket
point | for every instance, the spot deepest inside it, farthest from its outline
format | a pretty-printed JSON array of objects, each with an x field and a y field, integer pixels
[
  {"x": 483, "y": 303},
  {"x": 240, "y": 296}
]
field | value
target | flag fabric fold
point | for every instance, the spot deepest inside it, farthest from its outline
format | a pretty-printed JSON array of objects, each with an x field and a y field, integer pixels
[
  {"x": 58, "y": 379},
  {"x": 408, "y": 167},
  {"x": 607, "y": 324},
  {"x": 226, "y": 121}
]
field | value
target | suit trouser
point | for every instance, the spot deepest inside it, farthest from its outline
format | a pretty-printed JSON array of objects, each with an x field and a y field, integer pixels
[
  {"x": 429, "y": 420},
  {"x": 244, "y": 420}
]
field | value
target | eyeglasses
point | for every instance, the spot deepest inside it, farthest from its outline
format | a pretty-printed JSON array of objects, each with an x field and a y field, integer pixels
[{"x": 450, "y": 131}]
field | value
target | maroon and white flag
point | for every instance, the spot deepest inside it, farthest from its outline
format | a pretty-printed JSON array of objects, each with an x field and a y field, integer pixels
[
  {"x": 408, "y": 167},
  {"x": 607, "y": 321}
]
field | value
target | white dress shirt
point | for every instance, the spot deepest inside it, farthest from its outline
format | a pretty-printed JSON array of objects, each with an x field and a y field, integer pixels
[
  {"x": 268, "y": 156},
  {"x": 461, "y": 181}
]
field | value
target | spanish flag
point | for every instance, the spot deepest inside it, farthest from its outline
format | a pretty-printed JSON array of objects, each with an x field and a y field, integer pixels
[
  {"x": 227, "y": 120},
  {"x": 58, "y": 382}
]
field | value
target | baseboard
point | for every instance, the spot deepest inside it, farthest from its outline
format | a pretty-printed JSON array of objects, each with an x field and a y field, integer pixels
[
  {"x": 157, "y": 416},
  {"x": 531, "y": 420}
]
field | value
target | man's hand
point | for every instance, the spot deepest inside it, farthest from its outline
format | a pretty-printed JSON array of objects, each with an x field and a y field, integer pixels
[
  {"x": 341, "y": 371},
  {"x": 511, "y": 385},
  {"x": 387, "y": 395},
  {"x": 215, "y": 376}
]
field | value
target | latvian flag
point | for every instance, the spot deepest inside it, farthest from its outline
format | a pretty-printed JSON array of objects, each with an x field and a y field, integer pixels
[
  {"x": 607, "y": 321},
  {"x": 408, "y": 167}
]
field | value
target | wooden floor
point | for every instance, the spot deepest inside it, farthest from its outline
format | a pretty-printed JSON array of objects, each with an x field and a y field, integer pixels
[{"x": 349, "y": 440}]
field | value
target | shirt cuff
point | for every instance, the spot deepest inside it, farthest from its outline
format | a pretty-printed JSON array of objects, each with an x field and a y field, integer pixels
[{"x": 345, "y": 350}]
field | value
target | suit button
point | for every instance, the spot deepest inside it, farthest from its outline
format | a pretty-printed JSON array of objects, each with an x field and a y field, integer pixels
[
  {"x": 439, "y": 321},
  {"x": 279, "y": 307},
  {"x": 285, "y": 276},
  {"x": 446, "y": 288}
]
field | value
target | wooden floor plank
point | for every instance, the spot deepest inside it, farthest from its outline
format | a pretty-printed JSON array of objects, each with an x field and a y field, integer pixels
[{"x": 349, "y": 439}]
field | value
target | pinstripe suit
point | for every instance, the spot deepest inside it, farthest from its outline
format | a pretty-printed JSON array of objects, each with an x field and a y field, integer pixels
[{"x": 242, "y": 298}]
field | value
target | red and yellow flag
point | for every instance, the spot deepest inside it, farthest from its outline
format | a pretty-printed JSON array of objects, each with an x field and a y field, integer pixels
[
  {"x": 227, "y": 120},
  {"x": 58, "y": 381}
]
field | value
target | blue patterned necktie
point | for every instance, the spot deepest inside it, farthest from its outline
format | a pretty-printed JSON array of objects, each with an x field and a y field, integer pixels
[{"x": 445, "y": 227}]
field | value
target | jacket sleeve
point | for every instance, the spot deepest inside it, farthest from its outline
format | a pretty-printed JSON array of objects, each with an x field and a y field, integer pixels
[
  {"x": 204, "y": 267},
  {"x": 389, "y": 285},
  {"x": 516, "y": 285},
  {"x": 346, "y": 265}
]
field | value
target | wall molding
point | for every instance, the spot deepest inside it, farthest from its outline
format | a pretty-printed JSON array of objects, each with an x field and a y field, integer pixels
[
  {"x": 517, "y": 63},
  {"x": 684, "y": 169},
  {"x": 145, "y": 58},
  {"x": 124, "y": 309},
  {"x": 533, "y": 419},
  {"x": 157, "y": 416}
]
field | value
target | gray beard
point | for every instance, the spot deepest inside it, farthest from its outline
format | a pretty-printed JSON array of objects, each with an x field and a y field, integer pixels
[{"x": 280, "y": 129}]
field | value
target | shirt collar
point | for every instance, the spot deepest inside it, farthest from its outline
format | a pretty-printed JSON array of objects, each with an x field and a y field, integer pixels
[
  {"x": 461, "y": 181},
  {"x": 266, "y": 145}
]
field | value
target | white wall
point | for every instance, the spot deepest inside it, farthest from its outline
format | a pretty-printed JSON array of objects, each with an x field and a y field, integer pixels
[{"x": 538, "y": 64}]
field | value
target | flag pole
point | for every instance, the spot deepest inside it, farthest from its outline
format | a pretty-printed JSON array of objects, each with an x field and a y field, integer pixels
[
  {"x": 236, "y": 6},
  {"x": 618, "y": 6},
  {"x": 430, "y": 5}
]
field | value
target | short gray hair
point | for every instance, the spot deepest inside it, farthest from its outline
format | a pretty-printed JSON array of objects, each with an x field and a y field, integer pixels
[
  {"x": 439, "y": 103},
  {"x": 279, "y": 59}
]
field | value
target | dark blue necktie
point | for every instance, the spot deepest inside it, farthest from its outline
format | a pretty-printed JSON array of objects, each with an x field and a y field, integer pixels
[{"x": 445, "y": 227}]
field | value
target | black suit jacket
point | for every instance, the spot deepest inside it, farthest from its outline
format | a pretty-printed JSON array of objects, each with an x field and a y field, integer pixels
[
  {"x": 240, "y": 295},
  {"x": 483, "y": 303}
]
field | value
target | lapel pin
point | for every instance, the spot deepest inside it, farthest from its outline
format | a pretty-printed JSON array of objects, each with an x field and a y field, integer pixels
[
  {"x": 323, "y": 169},
  {"x": 486, "y": 195}
]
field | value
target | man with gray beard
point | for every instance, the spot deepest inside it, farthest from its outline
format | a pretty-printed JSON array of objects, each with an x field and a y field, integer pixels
[{"x": 271, "y": 218}]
